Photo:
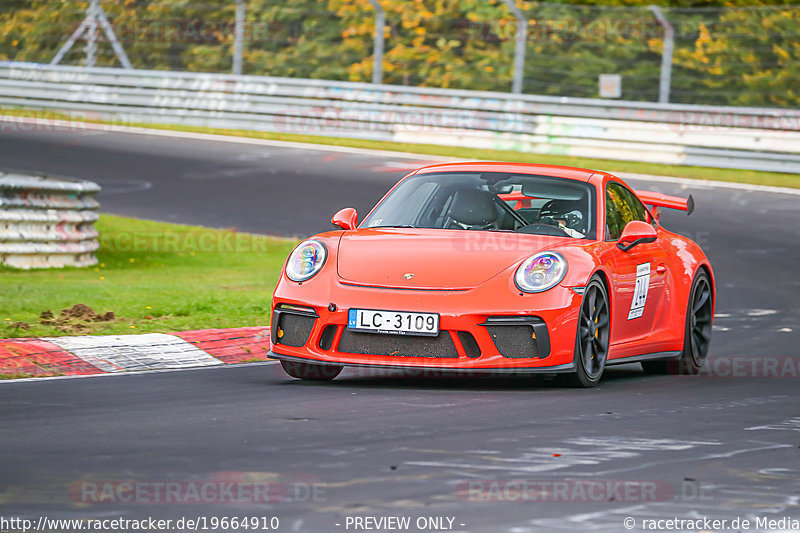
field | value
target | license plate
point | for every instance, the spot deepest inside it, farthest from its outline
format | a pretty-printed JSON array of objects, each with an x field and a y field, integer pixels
[{"x": 393, "y": 322}]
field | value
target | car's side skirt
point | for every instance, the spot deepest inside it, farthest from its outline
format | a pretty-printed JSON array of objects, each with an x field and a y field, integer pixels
[
  {"x": 496, "y": 370},
  {"x": 644, "y": 357}
]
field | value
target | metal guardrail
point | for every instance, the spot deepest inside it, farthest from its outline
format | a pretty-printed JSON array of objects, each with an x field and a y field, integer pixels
[
  {"x": 725, "y": 137},
  {"x": 47, "y": 222}
]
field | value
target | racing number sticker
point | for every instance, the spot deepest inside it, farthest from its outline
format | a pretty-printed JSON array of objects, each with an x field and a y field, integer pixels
[{"x": 640, "y": 291}]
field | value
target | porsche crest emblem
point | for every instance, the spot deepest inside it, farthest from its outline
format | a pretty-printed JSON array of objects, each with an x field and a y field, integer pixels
[{"x": 408, "y": 276}]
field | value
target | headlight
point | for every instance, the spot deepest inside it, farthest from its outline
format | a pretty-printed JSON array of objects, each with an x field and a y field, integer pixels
[
  {"x": 306, "y": 260},
  {"x": 540, "y": 272}
]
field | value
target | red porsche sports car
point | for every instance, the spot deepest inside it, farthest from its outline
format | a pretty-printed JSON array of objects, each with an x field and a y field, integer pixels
[{"x": 498, "y": 267}]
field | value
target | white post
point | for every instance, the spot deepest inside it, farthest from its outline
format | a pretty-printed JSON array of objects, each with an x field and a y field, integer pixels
[
  {"x": 519, "y": 49},
  {"x": 238, "y": 39},
  {"x": 666, "y": 55},
  {"x": 91, "y": 34},
  {"x": 377, "y": 62}
]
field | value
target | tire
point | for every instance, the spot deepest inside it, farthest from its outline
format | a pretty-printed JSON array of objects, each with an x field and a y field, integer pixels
[
  {"x": 592, "y": 338},
  {"x": 696, "y": 332},
  {"x": 310, "y": 371}
]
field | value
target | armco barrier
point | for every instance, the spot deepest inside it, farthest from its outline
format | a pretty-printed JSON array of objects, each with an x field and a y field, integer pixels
[
  {"x": 47, "y": 222},
  {"x": 725, "y": 137}
]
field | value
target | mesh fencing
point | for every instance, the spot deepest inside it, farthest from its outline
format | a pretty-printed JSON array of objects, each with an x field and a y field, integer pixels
[{"x": 744, "y": 56}]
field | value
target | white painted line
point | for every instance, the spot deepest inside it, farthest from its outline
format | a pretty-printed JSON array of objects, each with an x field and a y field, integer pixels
[
  {"x": 371, "y": 152},
  {"x": 120, "y": 353}
]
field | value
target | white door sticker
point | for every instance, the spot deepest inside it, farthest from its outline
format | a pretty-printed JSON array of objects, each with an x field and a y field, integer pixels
[{"x": 640, "y": 291}]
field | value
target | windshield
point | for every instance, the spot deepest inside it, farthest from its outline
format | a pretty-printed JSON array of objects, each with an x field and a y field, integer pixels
[{"x": 489, "y": 201}]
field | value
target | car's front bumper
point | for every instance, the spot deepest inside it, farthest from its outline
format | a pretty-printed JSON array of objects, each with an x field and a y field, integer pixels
[
  {"x": 512, "y": 331},
  {"x": 432, "y": 371}
]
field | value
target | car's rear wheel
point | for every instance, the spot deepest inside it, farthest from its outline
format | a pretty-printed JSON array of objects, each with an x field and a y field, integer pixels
[
  {"x": 697, "y": 332},
  {"x": 594, "y": 328},
  {"x": 310, "y": 371}
]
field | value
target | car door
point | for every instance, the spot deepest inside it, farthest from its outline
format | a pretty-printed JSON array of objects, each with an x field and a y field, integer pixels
[{"x": 638, "y": 275}]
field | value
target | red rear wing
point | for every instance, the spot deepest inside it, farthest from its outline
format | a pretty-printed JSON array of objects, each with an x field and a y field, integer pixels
[
  {"x": 521, "y": 199},
  {"x": 657, "y": 199}
]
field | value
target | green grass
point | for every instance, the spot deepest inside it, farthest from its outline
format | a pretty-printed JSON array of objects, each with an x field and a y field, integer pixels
[
  {"x": 154, "y": 277},
  {"x": 716, "y": 174}
]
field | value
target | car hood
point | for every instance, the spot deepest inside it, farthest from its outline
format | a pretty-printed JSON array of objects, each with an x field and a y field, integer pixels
[{"x": 433, "y": 258}]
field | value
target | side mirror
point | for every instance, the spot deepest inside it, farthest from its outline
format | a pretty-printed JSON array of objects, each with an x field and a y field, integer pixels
[
  {"x": 347, "y": 218},
  {"x": 636, "y": 232}
]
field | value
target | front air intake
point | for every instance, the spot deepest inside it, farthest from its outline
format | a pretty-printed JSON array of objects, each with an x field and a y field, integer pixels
[
  {"x": 519, "y": 337},
  {"x": 291, "y": 326}
]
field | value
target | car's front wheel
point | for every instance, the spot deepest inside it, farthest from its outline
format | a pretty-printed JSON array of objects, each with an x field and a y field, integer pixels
[
  {"x": 591, "y": 345},
  {"x": 310, "y": 371}
]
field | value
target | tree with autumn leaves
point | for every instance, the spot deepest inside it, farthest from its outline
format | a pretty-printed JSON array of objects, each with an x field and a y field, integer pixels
[{"x": 726, "y": 51}]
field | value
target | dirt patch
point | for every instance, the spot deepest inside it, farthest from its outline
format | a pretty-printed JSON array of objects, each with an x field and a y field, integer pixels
[{"x": 77, "y": 319}]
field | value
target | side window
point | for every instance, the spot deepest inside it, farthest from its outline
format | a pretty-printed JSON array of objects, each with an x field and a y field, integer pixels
[{"x": 621, "y": 207}]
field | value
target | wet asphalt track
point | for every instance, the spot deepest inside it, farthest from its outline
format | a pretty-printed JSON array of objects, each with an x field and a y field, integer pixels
[{"x": 719, "y": 447}]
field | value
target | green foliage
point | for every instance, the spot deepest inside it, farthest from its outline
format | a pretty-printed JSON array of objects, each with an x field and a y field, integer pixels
[
  {"x": 734, "y": 52},
  {"x": 743, "y": 58}
]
